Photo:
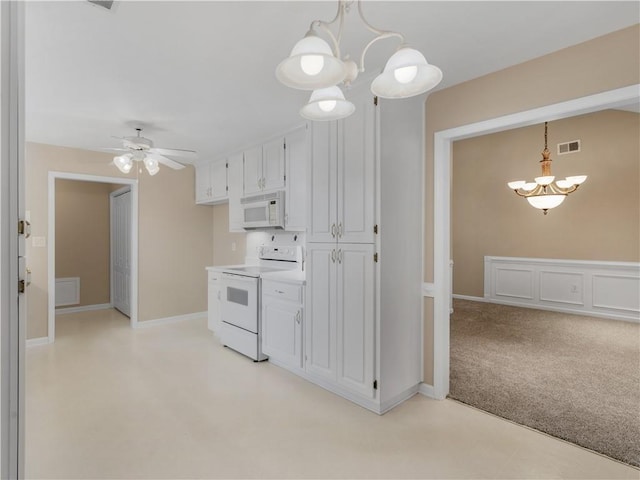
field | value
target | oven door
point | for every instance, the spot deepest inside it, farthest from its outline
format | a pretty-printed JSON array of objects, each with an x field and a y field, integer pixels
[{"x": 239, "y": 304}]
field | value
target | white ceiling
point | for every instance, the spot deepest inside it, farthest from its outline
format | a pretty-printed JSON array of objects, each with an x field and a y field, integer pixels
[{"x": 200, "y": 75}]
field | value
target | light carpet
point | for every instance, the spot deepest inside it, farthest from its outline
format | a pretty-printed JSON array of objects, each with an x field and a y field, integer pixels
[{"x": 573, "y": 377}]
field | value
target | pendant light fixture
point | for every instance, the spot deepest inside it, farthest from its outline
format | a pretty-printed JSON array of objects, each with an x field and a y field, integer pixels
[
  {"x": 315, "y": 65},
  {"x": 545, "y": 192}
]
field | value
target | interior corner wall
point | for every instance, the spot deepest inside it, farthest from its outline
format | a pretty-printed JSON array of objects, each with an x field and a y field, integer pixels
[
  {"x": 600, "y": 221},
  {"x": 174, "y": 234},
  {"x": 604, "y": 63},
  {"x": 83, "y": 237}
]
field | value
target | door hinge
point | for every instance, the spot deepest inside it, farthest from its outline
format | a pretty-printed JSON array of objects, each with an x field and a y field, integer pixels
[
  {"x": 227, "y": 188},
  {"x": 375, "y": 100},
  {"x": 21, "y": 286},
  {"x": 227, "y": 165},
  {"x": 375, "y": 229},
  {"x": 375, "y": 384},
  {"x": 375, "y": 257},
  {"x": 24, "y": 228}
]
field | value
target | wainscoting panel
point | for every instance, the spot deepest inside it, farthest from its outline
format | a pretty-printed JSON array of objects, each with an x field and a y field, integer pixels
[{"x": 604, "y": 289}]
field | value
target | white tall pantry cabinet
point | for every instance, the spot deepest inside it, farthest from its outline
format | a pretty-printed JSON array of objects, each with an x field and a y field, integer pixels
[{"x": 364, "y": 272}]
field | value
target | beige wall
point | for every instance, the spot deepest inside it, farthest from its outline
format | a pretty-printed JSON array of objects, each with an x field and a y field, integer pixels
[
  {"x": 223, "y": 253},
  {"x": 175, "y": 235},
  {"x": 602, "y": 64},
  {"x": 82, "y": 237},
  {"x": 600, "y": 221}
]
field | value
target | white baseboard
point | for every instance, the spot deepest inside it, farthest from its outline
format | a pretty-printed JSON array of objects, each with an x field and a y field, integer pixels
[
  {"x": 398, "y": 399},
  {"x": 83, "y": 308},
  {"x": 560, "y": 309},
  {"x": 428, "y": 391},
  {"x": 166, "y": 320},
  {"x": 33, "y": 342}
]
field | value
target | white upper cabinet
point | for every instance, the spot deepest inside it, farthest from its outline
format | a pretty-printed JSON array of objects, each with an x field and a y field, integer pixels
[
  {"x": 296, "y": 160},
  {"x": 211, "y": 182},
  {"x": 236, "y": 188},
  {"x": 264, "y": 167},
  {"x": 342, "y": 183}
]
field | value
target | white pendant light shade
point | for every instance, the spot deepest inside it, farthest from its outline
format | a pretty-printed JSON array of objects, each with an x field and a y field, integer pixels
[
  {"x": 545, "y": 202},
  {"x": 311, "y": 65},
  {"x": 327, "y": 104},
  {"x": 406, "y": 74},
  {"x": 577, "y": 179},
  {"x": 123, "y": 162},
  {"x": 516, "y": 184},
  {"x": 151, "y": 165},
  {"x": 545, "y": 180}
]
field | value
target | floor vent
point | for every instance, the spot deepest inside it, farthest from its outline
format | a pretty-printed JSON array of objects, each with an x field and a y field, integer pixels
[
  {"x": 106, "y": 4},
  {"x": 569, "y": 147}
]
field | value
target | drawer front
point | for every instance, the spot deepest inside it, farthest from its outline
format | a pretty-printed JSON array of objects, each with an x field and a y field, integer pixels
[
  {"x": 214, "y": 276},
  {"x": 283, "y": 291}
]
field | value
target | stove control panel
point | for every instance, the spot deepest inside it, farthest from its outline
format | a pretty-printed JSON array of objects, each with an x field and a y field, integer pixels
[{"x": 282, "y": 253}]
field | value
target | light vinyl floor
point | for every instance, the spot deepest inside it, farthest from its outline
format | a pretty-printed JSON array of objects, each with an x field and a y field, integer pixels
[{"x": 108, "y": 401}]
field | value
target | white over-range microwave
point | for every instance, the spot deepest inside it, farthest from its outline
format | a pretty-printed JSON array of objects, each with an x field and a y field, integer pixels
[{"x": 263, "y": 211}]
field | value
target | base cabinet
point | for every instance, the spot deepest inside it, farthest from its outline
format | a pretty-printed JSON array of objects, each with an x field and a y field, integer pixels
[
  {"x": 340, "y": 324},
  {"x": 282, "y": 319},
  {"x": 213, "y": 301}
]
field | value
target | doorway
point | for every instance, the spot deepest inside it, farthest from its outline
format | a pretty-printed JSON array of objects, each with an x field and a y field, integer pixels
[
  {"x": 129, "y": 286},
  {"x": 120, "y": 249}
]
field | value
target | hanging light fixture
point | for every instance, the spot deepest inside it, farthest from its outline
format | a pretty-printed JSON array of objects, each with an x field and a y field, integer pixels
[
  {"x": 314, "y": 65},
  {"x": 545, "y": 192}
]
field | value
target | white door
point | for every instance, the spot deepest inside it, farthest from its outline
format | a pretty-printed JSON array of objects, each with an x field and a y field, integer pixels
[
  {"x": 13, "y": 270},
  {"x": 356, "y": 173},
  {"x": 296, "y": 160},
  {"x": 273, "y": 165},
  {"x": 322, "y": 180},
  {"x": 320, "y": 321},
  {"x": 355, "y": 317},
  {"x": 253, "y": 171},
  {"x": 121, "y": 250}
]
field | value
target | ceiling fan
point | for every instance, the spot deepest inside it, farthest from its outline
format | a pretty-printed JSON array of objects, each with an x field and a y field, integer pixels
[{"x": 141, "y": 149}]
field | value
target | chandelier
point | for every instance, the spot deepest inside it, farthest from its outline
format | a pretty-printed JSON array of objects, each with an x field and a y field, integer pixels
[
  {"x": 546, "y": 192},
  {"x": 315, "y": 65}
]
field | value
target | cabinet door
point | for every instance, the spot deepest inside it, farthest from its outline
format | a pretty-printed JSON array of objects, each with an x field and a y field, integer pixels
[
  {"x": 296, "y": 159},
  {"x": 355, "y": 318},
  {"x": 218, "y": 175},
  {"x": 203, "y": 185},
  {"x": 320, "y": 322},
  {"x": 253, "y": 170},
  {"x": 273, "y": 165},
  {"x": 322, "y": 172},
  {"x": 356, "y": 173},
  {"x": 235, "y": 183},
  {"x": 282, "y": 331},
  {"x": 213, "y": 317}
]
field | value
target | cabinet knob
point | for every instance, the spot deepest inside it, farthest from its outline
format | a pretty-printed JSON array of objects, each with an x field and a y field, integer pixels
[
  {"x": 340, "y": 230},
  {"x": 280, "y": 292},
  {"x": 333, "y": 256},
  {"x": 298, "y": 317},
  {"x": 333, "y": 230}
]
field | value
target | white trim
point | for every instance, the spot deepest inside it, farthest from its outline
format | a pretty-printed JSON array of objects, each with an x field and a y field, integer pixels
[
  {"x": 398, "y": 399},
  {"x": 83, "y": 308},
  {"x": 428, "y": 290},
  {"x": 51, "y": 255},
  {"x": 471, "y": 298},
  {"x": 442, "y": 142},
  {"x": 34, "y": 342},
  {"x": 166, "y": 320},
  {"x": 428, "y": 391}
]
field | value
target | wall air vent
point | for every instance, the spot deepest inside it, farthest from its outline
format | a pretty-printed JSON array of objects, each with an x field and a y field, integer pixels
[
  {"x": 569, "y": 147},
  {"x": 106, "y": 4}
]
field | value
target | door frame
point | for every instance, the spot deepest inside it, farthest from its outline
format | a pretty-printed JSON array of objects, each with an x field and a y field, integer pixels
[
  {"x": 442, "y": 153},
  {"x": 112, "y": 195},
  {"x": 51, "y": 248}
]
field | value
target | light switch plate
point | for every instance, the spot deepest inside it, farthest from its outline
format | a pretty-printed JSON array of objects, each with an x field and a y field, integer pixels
[{"x": 39, "y": 241}]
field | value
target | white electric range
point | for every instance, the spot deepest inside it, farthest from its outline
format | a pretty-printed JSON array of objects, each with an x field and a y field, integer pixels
[{"x": 240, "y": 308}]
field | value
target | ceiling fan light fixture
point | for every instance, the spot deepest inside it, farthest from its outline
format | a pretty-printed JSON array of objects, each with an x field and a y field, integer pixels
[
  {"x": 151, "y": 164},
  {"x": 406, "y": 74},
  {"x": 123, "y": 162},
  {"x": 311, "y": 65},
  {"x": 327, "y": 104}
]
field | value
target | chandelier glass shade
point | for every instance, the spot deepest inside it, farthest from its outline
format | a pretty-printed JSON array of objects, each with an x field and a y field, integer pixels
[
  {"x": 314, "y": 64},
  {"x": 545, "y": 192},
  {"x": 327, "y": 104}
]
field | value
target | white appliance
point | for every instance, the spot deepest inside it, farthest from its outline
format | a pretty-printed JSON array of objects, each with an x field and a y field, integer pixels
[
  {"x": 240, "y": 308},
  {"x": 263, "y": 211}
]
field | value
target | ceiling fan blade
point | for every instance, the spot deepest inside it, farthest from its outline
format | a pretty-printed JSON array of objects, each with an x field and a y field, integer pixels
[
  {"x": 175, "y": 152},
  {"x": 166, "y": 161},
  {"x": 110, "y": 149}
]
